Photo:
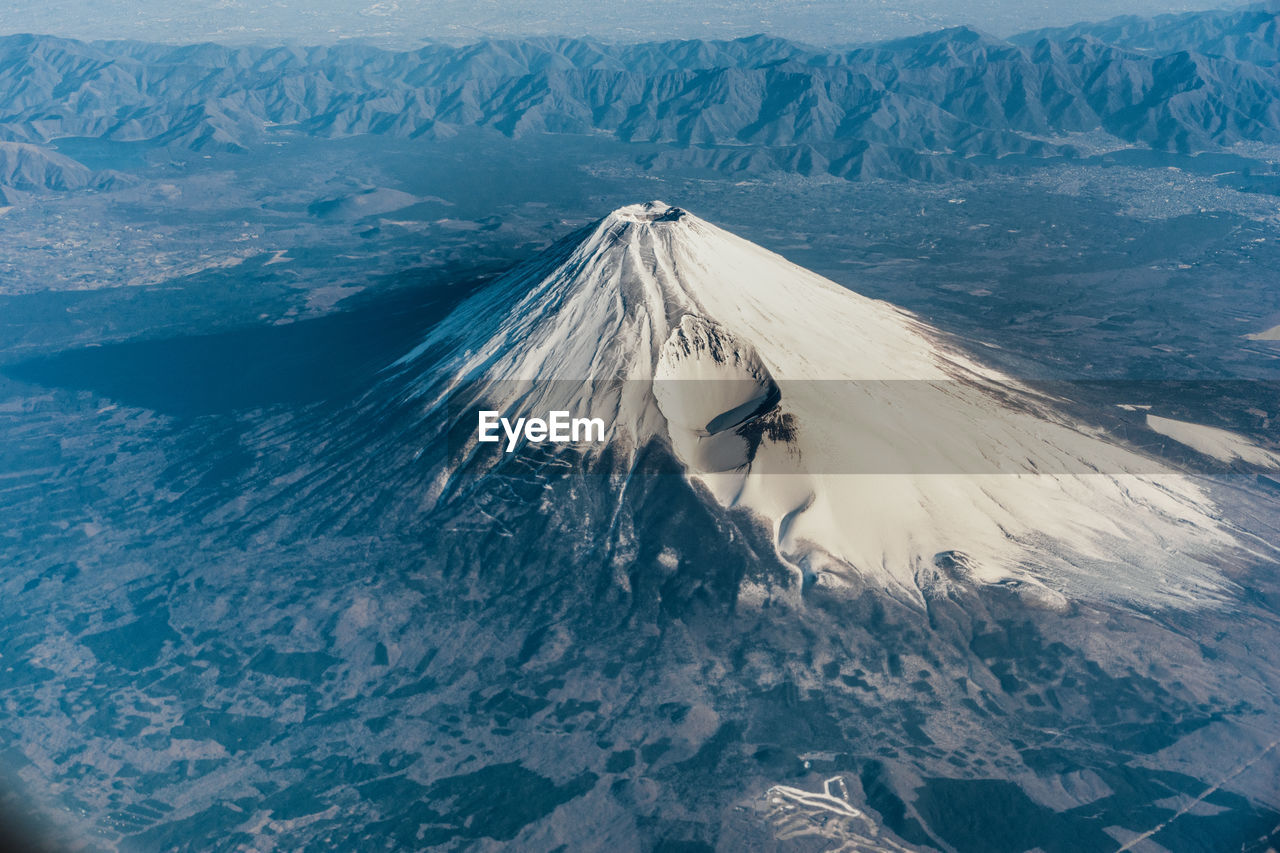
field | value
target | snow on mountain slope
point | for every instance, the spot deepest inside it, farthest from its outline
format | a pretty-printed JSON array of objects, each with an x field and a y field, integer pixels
[
  {"x": 1220, "y": 444},
  {"x": 877, "y": 452}
]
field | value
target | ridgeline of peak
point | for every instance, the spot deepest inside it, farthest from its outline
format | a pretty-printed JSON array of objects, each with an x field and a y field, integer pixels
[{"x": 647, "y": 212}]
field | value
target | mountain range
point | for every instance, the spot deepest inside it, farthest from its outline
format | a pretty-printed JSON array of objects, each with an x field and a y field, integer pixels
[
  {"x": 1247, "y": 34},
  {"x": 942, "y": 103}
]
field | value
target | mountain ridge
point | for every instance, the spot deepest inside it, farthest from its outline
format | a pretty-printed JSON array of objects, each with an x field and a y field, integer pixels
[
  {"x": 930, "y": 104},
  {"x": 1247, "y": 34}
]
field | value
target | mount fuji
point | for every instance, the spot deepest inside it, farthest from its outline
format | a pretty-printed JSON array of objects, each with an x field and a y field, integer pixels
[
  {"x": 868, "y": 445},
  {"x": 823, "y": 580}
]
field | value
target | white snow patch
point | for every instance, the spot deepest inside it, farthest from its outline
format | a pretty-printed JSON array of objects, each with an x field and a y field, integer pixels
[
  {"x": 1220, "y": 444},
  {"x": 1272, "y": 334}
]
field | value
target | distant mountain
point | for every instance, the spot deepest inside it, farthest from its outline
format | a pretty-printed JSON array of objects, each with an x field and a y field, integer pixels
[
  {"x": 369, "y": 201},
  {"x": 939, "y": 103},
  {"x": 1247, "y": 35},
  {"x": 31, "y": 168}
]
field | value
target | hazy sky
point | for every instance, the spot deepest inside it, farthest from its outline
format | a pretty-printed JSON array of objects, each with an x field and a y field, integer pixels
[{"x": 402, "y": 23}]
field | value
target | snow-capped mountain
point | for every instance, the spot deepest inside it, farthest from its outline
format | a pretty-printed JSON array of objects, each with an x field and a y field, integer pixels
[{"x": 874, "y": 449}]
